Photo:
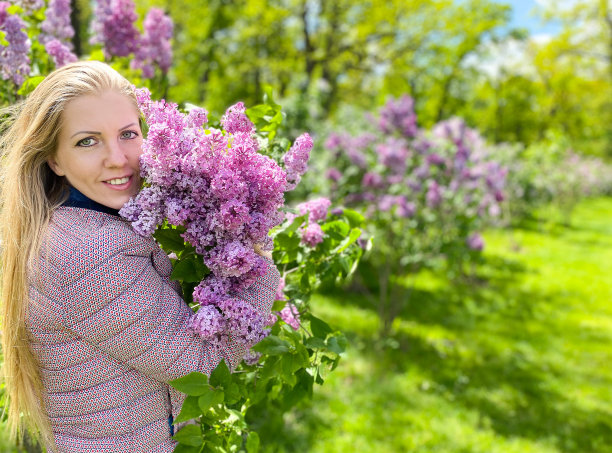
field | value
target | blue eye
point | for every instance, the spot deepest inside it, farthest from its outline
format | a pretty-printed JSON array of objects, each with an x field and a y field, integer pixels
[{"x": 86, "y": 142}]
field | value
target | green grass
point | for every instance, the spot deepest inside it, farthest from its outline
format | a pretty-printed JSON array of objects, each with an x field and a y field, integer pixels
[{"x": 518, "y": 360}]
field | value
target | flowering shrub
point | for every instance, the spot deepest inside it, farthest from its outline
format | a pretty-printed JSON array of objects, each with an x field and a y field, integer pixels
[
  {"x": 36, "y": 36},
  {"x": 427, "y": 194},
  {"x": 213, "y": 192}
]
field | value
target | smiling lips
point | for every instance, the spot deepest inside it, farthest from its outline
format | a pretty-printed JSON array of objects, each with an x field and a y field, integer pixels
[{"x": 119, "y": 183}]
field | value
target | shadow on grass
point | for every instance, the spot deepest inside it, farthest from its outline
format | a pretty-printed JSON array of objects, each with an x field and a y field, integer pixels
[{"x": 495, "y": 360}]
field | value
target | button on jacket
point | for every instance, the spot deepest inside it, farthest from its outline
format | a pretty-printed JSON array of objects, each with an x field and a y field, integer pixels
[{"x": 109, "y": 330}]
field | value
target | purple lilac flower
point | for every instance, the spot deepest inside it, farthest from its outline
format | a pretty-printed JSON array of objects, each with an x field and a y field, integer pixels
[
  {"x": 208, "y": 322},
  {"x": 334, "y": 174},
  {"x": 393, "y": 154},
  {"x": 30, "y": 6},
  {"x": 60, "y": 53},
  {"x": 246, "y": 325},
  {"x": 14, "y": 60},
  {"x": 296, "y": 159},
  {"x": 372, "y": 179},
  {"x": 114, "y": 27},
  {"x": 154, "y": 46},
  {"x": 224, "y": 193},
  {"x": 434, "y": 195},
  {"x": 251, "y": 357},
  {"x": 57, "y": 24},
  {"x": 475, "y": 242},
  {"x": 291, "y": 315},
  {"x": 316, "y": 209},
  {"x": 312, "y": 235},
  {"x": 398, "y": 115}
]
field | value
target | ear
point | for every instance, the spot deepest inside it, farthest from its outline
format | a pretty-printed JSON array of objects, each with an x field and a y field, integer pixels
[{"x": 57, "y": 169}]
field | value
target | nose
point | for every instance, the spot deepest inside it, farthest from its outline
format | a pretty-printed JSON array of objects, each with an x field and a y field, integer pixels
[{"x": 116, "y": 156}]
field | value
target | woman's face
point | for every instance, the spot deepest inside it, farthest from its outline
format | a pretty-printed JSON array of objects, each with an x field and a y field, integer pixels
[{"x": 99, "y": 147}]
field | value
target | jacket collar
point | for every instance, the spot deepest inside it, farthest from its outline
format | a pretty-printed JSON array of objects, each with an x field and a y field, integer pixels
[{"x": 77, "y": 200}]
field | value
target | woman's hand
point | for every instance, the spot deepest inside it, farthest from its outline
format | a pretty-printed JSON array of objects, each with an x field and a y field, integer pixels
[{"x": 258, "y": 248}]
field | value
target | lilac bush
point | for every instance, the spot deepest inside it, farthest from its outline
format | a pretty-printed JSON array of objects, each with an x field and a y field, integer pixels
[
  {"x": 114, "y": 27},
  {"x": 154, "y": 47},
  {"x": 57, "y": 25},
  {"x": 14, "y": 58},
  {"x": 427, "y": 194}
]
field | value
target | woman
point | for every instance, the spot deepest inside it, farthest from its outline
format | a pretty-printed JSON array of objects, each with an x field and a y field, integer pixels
[{"x": 93, "y": 328}]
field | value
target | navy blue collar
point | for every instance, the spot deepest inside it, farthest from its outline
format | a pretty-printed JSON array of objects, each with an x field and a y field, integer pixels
[{"x": 77, "y": 200}]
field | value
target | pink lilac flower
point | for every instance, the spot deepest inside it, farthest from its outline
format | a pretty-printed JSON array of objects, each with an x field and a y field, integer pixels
[
  {"x": 475, "y": 242},
  {"x": 372, "y": 179},
  {"x": 154, "y": 47},
  {"x": 61, "y": 54},
  {"x": 57, "y": 24},
  {"x": 235, "y": 120},
  {"x": 334, "y": 174},
  {"x": 14, "y": 60},
  {"x": 280, "y": 295},
  {"x": 316, "y": 208},
  {"x": 251, "y": 357},
  {"x": 291, "y": 315},
  {"x": 434, "y": 195},
  {"x": 312, "y": 235},
  {"x": 296, "y": 159},
  {"x": 114, "y": 27}
]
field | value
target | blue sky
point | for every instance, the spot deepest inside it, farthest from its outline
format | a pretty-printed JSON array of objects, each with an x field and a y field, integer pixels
[{"x": 522, "y": 16}]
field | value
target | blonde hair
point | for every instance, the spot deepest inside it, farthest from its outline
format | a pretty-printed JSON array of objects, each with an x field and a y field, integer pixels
[{"x": 29, "y": 192}]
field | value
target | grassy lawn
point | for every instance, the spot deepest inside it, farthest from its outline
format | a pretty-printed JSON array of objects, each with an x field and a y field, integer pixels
[{"x": 518, "y": 361}]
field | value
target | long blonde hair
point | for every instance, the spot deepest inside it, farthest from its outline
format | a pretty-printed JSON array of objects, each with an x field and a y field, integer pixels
[{"x": 29, "y": 192}]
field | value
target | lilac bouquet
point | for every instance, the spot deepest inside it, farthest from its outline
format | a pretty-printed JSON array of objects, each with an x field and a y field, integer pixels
[{"x": 223, "y": 196}]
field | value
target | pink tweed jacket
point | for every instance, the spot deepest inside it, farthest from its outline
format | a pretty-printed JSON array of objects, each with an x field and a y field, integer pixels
[{"x": 110, "y": 330}]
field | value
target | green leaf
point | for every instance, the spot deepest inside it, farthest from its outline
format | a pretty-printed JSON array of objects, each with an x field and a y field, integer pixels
[
  {"x": 315, "y": 343},
  {"x": 191, "y": 269},
  {"x": 170, "y": 239},
  {"x": 252, "y": 442},
  {"x": 272, "y": 345},
  {"x": 337, "y": 229},
  {"x": 319, "y": 327},
  {"x": 278, "y": 305},
  {"x": 183, "y": 448},
  {"x": 29, "y": 85},
  {"x": 190, "y": 410},
  {"x": 286, "y": 242},
  {"x": 336, "y": 345},
  {"x": 221, "y": 375},
  {"x": 190, "y": 435},
  {"x": 97, "y": 55},
  {"x": 232, "y": 393},
  {"x": 346, "y": 242},
  {"x": 355, "y": 218},
  {"x": 210, "y": 399},
  {"x": 195, "y": 383}
]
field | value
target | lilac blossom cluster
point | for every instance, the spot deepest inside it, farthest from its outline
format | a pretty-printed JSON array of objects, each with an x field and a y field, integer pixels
[
  {"x": 407, "y": 172},
  {"x": 57, "y": 25},
  {"x": 154, "y": 46},
  {"x": 57, "y": 32},
  {"x": 312, "y": 234},
  {"x": 226, "y": 196},
  {"x": 14, "y": 59},
  {"x": 114, "y": 28}
]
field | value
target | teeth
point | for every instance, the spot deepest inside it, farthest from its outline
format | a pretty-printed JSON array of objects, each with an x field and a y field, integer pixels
[{"x": 118, "y": 181}]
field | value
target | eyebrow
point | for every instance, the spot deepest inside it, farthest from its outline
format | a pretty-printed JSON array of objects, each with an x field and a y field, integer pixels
[{"x": 100, "y": 133}]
